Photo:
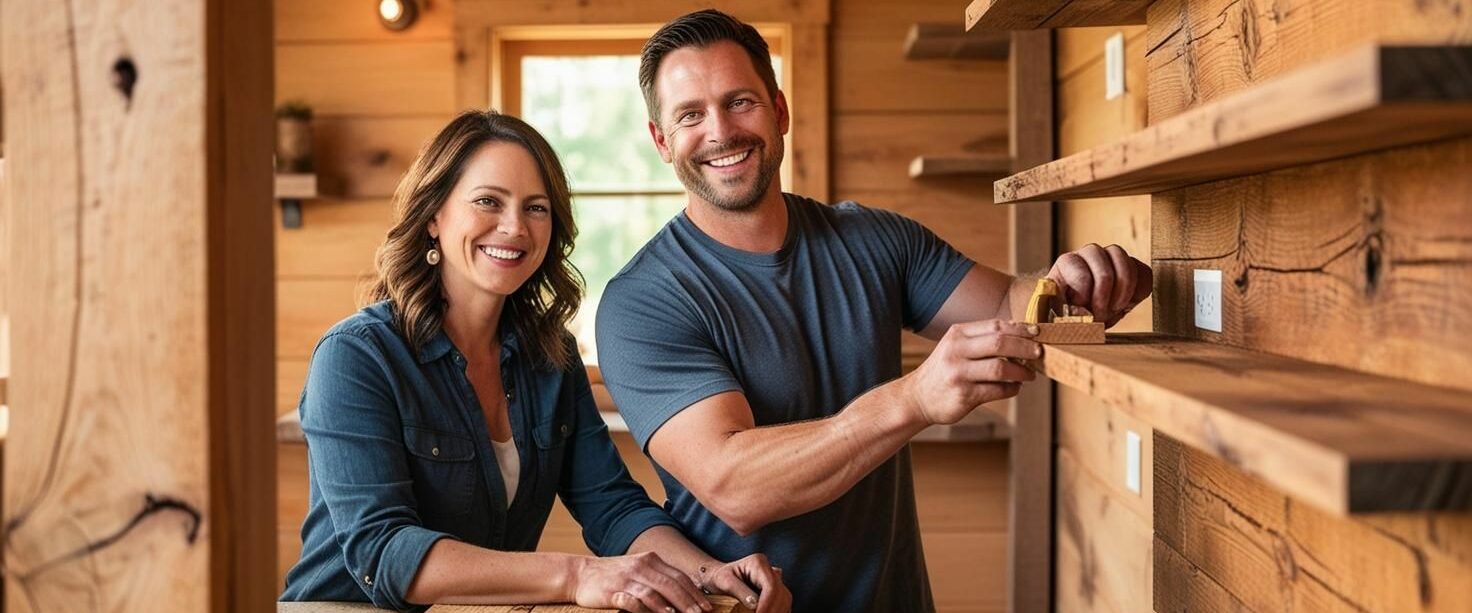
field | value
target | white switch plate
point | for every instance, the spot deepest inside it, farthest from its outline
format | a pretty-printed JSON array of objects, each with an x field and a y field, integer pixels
[
  {"x": 1209, "y": 300},
  {"x": 1114, "y": 66},
  {"x": 1132, "y": 461}
]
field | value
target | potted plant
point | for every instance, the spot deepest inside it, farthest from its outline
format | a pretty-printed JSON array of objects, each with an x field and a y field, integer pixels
[{"x": 294, "y": 137}]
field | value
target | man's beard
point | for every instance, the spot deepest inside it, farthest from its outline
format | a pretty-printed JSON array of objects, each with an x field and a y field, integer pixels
[{"x": 691, "y": 175}]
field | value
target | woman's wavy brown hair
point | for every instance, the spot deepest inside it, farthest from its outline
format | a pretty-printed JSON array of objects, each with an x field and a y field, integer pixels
[{"x": 539, "y": 310}]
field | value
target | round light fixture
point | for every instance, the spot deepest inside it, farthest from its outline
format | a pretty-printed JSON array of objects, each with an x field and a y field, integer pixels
[{"x": 397, "y": 14}]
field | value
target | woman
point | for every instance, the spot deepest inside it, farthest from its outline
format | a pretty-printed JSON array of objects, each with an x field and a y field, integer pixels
[{"x": 442, "y": 420}]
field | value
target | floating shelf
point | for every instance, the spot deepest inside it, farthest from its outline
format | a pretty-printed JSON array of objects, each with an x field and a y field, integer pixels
[
  {"x": 998, "y": 15},
  {"x": 948, "y": 41},
  {"x": 927, "y": 166},
  {"x": 291, "y": 190},
  {"x": 1372, "y": 98},
  {"x": 1344, "y": 440}
]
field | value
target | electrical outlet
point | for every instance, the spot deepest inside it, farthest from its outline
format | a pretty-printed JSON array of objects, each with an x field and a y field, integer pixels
[
  {"x": 1114, "y": 66},
  {"x": 1132, "y": 461},
  {"x": 1209, "y": 300}
]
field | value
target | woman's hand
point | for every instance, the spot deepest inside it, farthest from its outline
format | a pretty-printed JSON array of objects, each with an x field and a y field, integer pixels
[
  {"x": 738, "y": 579},
  {"x": 640, "y": 583}
]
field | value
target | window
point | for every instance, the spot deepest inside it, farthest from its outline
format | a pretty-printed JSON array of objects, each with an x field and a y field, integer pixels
[{"x": 583, "y": 95}]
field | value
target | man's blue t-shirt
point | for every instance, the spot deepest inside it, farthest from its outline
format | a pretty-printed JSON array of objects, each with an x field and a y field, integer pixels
[{"x": 801, "y": 332}]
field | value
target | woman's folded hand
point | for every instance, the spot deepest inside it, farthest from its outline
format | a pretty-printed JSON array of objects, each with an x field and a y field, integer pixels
[{"x": 640, "y": 583}]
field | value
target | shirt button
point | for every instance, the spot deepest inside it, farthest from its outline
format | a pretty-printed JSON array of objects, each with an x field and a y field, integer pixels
[
  {"x": 563, "y": 429},
  {"x": 435, "y": 452}
]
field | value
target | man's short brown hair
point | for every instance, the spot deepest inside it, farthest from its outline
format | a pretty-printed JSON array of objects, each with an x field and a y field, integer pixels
[{"x": 701, "y": 29}]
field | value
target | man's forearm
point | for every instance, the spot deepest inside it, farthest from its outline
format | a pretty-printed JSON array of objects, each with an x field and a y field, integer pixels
[
  {"x": 674, "y": 549},
  {"x": 776, "y": 472}
]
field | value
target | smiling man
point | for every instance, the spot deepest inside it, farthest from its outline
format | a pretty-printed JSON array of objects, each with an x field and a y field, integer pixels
[{"x": 753, "y": 346}]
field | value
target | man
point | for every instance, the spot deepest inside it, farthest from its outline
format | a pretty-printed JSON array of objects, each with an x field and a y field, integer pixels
[{"x": 753, "y": 344}]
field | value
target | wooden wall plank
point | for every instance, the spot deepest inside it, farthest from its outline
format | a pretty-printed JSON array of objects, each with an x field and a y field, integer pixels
[
  {"x": 872, "y": 152},
  {"x": 1201, "y": 50},
  {"x": 293, "y": 489},
  {"x": 1373, "y": 276},
  {"x": 337, "y": 238},
  {"x": 870, "y": 75},
  {"x": 1036, "y": 14},
  {"x": 962, "y": 487},
  {"x": 134, "y": 478},
  {"x": 306, "y": 308},
  {"x": 1103, "y": 558},
  {"x": 954, "y": 213},
  {"x": 1093, "y": 434},
  {"x": 1273, "y": 553},
  {"x": 553, "y": 12},
  {"x": 1085, "y": 118},
  {"x": 365, "y": 157},
  {"x": 810, "y": 108},
  {"x": 409, "y": 78},
  {"x": 963, "y": 570},
  {"x": 353, "y": 20},
  {"x": 291, "y": 375}
]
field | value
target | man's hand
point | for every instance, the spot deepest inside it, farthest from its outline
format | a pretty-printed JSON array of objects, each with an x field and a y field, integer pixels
[
  {"x": 1104, "y": 280},
  {"x": 970, "y": 367},
  {"x": 752, "y": 580}
]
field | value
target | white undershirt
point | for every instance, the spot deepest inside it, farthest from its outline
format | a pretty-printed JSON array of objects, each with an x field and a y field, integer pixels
[{"x": 510, "y": 464}]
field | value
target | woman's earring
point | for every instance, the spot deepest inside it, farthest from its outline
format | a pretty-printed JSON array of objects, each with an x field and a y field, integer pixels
[{"x": 433, "y": 256}]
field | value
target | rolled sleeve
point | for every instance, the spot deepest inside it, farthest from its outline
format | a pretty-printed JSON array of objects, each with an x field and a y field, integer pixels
[
  {"x": 357, "y": 457},
  {"x": 597, "y": 488}
]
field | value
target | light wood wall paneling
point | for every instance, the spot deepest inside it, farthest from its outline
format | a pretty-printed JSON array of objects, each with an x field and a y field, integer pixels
[
  {"x": 1374, "y": 276},
  {"x": 1033, "y": 141},
  {"x": 1201, "y": 50},
  {"x": 406, "y": 78},
  {"x": 337, "y": 238},
  {"x": 872, "y": 152},
  {"x": 139, "y": 466},
  {"x": 1103, "y": 557},
  {"x": 365, "y": 157},
  {"x": 809, "y": 107},
  {"x": 354, "y": 20},
  {"x": 291, "y": 374},
  {"x": 306, "y": 308},
  {"x": 963, "y": 570},
  {"x": 547, "y": 12},
  {"x": 962, "y": 487},
  {"x": 1274, "y": 554},
  {"x": 1085, "y": 118},
  {"x": 293, "y": 493}
]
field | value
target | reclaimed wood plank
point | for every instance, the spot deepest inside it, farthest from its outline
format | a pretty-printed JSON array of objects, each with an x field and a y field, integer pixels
[
  {"x": 1345, "y": 441},
  {"x": 1374, "y": 97},
  {"x": 931, "y": 166},
  {"x": 950, "y": 41}
]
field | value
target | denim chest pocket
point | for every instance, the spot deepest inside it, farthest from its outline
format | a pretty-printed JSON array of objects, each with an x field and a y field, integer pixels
[
  {"x": 552, "y": 433},
  {"x": 443, "y": 467}
]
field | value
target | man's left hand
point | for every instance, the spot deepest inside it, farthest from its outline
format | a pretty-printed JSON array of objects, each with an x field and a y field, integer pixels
[{"x": 1104, "y": 280}]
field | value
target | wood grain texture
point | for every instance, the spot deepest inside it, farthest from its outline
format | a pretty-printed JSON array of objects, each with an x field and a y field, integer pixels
[
  {"x": 306, "y": 308},
  {"x": 293, "y": 494},
  {"x": 1271, "y": 553},
  {"x": 1070, "y": 333},
  {"x": 1086, "y": 119},
  {"x": 1047, "y": 14},
  {"x": 1345, "y": 441},
  {"x": 1031, "y": 141},
  {"x": 554, "y": 12},
  {"x": 1368, "y": 99},
  {"x": 406, "y": 78},
  {"x": 1373, "y": 276},
  {"x": 871, "y": 74},
  {"x": 809, "y": 103},
  {"x": 1202, "y": 50},
  {"x": 364, "y": 157},
  {"x": 134, "y": 480},
  {"x": 1103, "y": 558},
  {"x": 872, "y": 152},
  {"x": 338, "y": 238},
  {"x": 951, "y": 41}
]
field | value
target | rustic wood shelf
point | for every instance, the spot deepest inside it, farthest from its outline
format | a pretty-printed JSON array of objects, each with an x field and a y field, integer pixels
[
  {"x": 1346, "y": 441},
  {"x": 927, "y": 166},
  {"x": 1048, "y": 14},
  {"x": 1374, "y": 97},
  {"x": 291, "y": 190},
  {"x": 949, "y": 41}
]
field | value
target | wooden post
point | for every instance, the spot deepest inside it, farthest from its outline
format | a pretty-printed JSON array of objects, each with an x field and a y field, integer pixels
[
  {"x": 1030, "y": 544},
  {"x": 138, "y": 167}
]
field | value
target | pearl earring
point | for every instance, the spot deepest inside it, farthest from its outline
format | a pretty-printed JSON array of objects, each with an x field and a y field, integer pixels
[{"x": 433, "y": 256}]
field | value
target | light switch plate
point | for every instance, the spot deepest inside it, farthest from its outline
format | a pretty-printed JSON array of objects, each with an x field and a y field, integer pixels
[
  {"x": 1209, "y": 299},
  {"x": 1114, "y": 66},
  {"x": 1132, "y": 461}
]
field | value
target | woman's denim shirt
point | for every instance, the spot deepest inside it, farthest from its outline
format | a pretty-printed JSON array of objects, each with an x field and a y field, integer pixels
[{"x": 400, "y": 457}]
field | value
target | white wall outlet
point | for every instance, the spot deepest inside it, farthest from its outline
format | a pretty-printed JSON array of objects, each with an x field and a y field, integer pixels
[
  {"x": 1132, "y": 461},
  {"x": 1209, "y": 300},
  {"x": 1114, "y": 66}
]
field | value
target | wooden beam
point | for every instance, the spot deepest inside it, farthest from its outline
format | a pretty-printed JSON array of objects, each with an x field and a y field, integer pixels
[
  {"x": 949, "y": 41},
  {"x": 520, "y": 12},
  {"x": 140, "y": 474},
  {"x": 959, "y": 165},
  {"x": 1031, "y": 141},
  {"x": 1001, "y": 15},
  {"x": 1343, "y": 440},
  {"x": 1371, "y": 98}
]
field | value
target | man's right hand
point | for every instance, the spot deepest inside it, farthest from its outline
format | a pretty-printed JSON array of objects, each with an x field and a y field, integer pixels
[
  {"x": 640, "y": 583},
  {"x": 970, "y": 367}
]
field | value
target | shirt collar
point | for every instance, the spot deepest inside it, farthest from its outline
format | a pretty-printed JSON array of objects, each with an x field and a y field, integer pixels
[{"x": 439, "y": 345}]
